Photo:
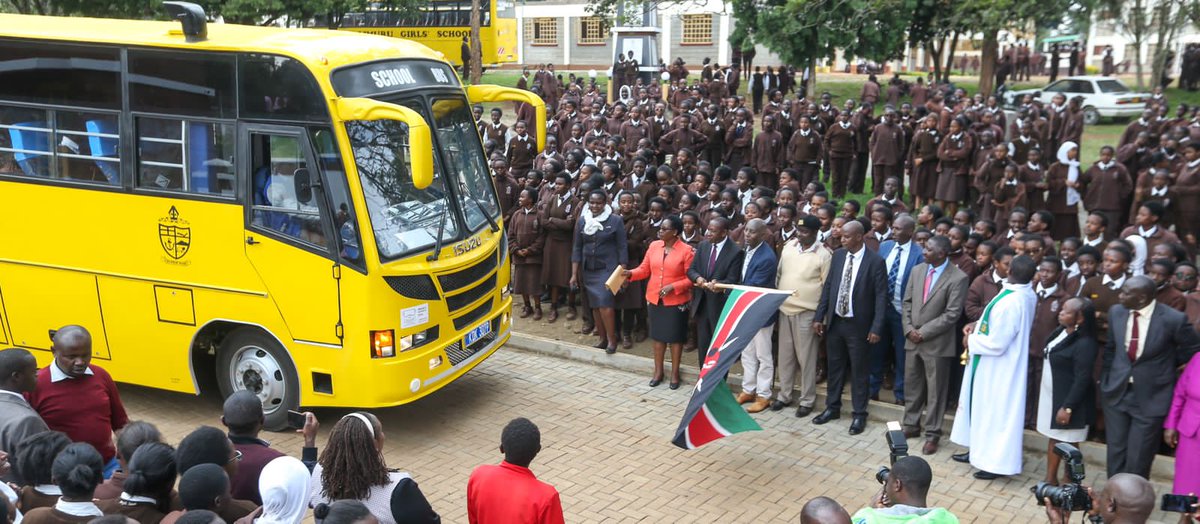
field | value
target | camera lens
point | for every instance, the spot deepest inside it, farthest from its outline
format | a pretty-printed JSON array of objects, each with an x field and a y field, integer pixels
[{"x": 881, "y": 476}]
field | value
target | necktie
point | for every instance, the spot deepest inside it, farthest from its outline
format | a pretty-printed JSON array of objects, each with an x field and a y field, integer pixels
[
  {"x": 928, "y": 284},
  {"x": 1112, "y": 285},
  {"x": 1133, "y": 339},
  {"x": 712, "y": 261},
  {"x": 895, "y": 270},
  {"x": 843, "y": 302}
]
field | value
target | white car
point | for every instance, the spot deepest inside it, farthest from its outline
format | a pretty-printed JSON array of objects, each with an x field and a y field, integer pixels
[{"x": 1103, "y": 97}]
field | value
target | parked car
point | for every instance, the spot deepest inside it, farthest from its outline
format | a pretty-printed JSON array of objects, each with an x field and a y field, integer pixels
[{"x": 1103, "y": 97}]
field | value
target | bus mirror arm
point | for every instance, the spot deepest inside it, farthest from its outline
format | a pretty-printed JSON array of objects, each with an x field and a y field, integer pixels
[
  {"x": 494, "y": 93},
  {"x": 304, "y": 185}
]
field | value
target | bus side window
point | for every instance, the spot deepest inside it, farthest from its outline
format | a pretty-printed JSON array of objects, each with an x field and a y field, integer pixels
[
  {"x": 25, "y": 138},
  {"x": 185, "y": 155},
  {"x": 61, "y": 144},
  {"x": 276, "y": 160},
  {"x": 344, "y": 221}
]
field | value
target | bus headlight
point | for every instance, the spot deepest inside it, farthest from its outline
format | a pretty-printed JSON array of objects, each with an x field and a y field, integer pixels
[
  {"x": 383, "y": 343},
  {"x": 408, "y": 342}
]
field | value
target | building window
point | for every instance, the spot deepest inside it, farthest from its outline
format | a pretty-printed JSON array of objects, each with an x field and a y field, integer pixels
[
  {"x": 697, "y": 29},
  {"x": 541, "y": 31},
  {"x": 591, "y": 30}
]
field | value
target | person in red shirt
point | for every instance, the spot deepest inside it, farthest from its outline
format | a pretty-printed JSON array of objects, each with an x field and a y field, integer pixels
[
  {"x": 509, "y": 493},
  {"x": 77, "y": 398}
]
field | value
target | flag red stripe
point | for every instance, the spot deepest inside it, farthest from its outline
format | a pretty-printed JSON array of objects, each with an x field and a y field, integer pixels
[
  {"x": 701, "y": 430},
  {"x": 743, "y": 303}
]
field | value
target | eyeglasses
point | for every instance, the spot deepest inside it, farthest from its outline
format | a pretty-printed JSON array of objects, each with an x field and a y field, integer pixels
[
  {"x": 237, "y": 456},
  {"x": 1185, "y": 276}
]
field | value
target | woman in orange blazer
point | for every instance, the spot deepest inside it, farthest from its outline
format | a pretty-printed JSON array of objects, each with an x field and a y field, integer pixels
[{"x": 668, "y": 292}]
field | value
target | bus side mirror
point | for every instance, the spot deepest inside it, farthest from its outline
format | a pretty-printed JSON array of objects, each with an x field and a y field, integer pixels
[
  {"x": 494, "y": 93},
  {"x": 420, "y": 138},
  {"x": 304, "y": 185}
]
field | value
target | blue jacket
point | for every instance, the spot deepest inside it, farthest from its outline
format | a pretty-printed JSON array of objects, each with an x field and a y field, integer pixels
[
  {"x": 915, "y": 256},
  {"x": 761, "y": 271}
]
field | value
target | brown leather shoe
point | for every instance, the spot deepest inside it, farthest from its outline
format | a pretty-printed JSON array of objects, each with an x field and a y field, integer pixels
[
  {"x": 760, "y": 404},
  {"x": 537, "y": 314},
  {"x": 552, "y": 316},
  {"x": 626, "y": 342},
  {"x": 745, "y": 397},
  {"x": 525, "y": 312},
  {"x": 572, "y": 314},
  {"x": 931, "y": 446}
]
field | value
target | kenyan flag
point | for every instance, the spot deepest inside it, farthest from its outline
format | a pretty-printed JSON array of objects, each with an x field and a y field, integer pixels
[{"x": 712, "y": 412}]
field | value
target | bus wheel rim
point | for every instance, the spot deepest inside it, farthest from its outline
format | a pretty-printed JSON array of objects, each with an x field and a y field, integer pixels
[{"x": 255, "y": 370}]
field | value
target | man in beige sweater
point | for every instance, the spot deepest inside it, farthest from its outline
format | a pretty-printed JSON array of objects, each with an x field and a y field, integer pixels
[{"x": 803, "y": 266}]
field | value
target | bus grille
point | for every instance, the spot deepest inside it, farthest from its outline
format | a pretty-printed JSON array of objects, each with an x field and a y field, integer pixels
[
  {"x": 472, "y": 316},
  {"x": 461, "y": 300},
  {"x": 413, "y": 286},
  {"x": 457, "y": 353},
  {"x": 455, "y": 281}
]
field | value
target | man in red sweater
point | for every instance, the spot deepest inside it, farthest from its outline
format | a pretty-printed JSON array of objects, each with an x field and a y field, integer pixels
[
  {"x": 77, "y": 398},
  {"x": 508, "y": 493}
]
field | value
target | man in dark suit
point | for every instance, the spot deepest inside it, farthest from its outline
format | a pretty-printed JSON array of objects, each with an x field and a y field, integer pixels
[
  {"x": 852, "y": 306},
  {"x": 18, "y": 375},
  {"x": 718, "y": 260},
  {"x": 933, "y": 303},
  {"x": 899, "y": 256},
  {"x": 1147, "y": 342}
]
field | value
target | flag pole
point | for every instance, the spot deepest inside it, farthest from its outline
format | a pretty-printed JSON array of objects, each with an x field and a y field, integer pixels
[{"x": 752, "y": 288}]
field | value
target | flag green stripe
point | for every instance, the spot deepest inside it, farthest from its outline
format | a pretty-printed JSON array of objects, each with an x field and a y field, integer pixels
[{"x": 728, "y": 413}]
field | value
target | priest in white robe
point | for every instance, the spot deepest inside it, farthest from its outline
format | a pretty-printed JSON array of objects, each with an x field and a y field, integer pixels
[{"x": 991, "y": 409}]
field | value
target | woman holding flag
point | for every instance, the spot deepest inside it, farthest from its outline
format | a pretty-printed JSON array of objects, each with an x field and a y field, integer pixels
[{"x": 668, "y": 292}]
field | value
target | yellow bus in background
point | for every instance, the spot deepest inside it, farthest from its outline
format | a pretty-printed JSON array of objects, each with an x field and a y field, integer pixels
[
  {"x": 442, "y": 24},
  {"x": 305, "y": 214}
]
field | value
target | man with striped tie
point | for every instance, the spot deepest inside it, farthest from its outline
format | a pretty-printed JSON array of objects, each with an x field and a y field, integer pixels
[{"x": 933, "y": 303}]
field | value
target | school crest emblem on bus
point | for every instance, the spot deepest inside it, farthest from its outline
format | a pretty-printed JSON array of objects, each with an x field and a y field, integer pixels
[{"x": 174, "y": 234}]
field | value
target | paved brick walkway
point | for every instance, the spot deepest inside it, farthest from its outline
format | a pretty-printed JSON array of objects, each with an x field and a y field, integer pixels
[{"x": 606, "y": 439}]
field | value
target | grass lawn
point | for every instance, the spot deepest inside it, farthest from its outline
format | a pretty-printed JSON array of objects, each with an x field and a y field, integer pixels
[{"x": 844, "y": 86}]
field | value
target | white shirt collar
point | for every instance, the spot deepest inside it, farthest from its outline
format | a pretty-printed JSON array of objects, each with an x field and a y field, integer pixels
[
  {"x": 1033, "y": 167},
  {"x": 1106, "y": 165},
  {"x": 845, "y": 125},
  {"x": 1194, "y": 163},
  {"x": 997, "y": 278},
  {"x": 805, "y": 132},
  {"x": 1099, "y": 240},
  {"x": 58, "y": 375},
  {"x": 1148, "y": 310},
  {"x": 1109, "y": 280},
  {"x": 48, "y": 489},
  {"x": 78, "y": 509},
  {"x": 1046, "y": 290},
  {"x": 955, "y": 137},
  {"x": 1147, "y": 233},
  {"x": 126, "y": 497},
  {"x": 1158, "y": 192}
]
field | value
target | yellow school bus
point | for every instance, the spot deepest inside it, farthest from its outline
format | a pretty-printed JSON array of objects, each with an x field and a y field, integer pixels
[
  {"x": 305, "y": 214},
  {"x": 442, "y": 24}
]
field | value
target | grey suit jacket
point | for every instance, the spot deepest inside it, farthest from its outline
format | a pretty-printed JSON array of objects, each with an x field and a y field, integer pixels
[
  {"x": 17, "y": 421},
  {"x": 935, "y": 318},
  {"x": 1170, "y": 343}
]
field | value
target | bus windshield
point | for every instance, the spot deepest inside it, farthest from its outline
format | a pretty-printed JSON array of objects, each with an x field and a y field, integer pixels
[{"x": 461, "y": 151}]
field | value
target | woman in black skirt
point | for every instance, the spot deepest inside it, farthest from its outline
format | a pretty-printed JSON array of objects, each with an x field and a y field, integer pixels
[{"x": 668, "y": 291}]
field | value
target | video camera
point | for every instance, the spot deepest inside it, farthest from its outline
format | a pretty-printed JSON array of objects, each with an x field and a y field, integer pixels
[
  {"x": 1068, "y": 497},
  {"x": 897, "y": 448}
]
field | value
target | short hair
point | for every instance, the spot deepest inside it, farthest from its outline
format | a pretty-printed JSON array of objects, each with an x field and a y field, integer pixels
[
  {"x": 14, "y": 360},
  {"x": 134, "y": 435},
  {"x": 914, "y": 473},
  {"x": 1103, "y": 219},
  {"x": 675, "y": 221},
  {"x": 1003, "y": 252},
  {"x": 853, "y": 204},
  {"x": 940, "y": 242},
  {"x": 1169, "y": 265},
  {"x": 242, "y": 412},
  {"x": 1030, "y": 237},
  {"x": 989, "y": 224},
  {"x": 1022, "y": 270},
  {"x": 200, "y": 486},
  {"x": 1089, "y": 251},
  {"x": 521, "y": 441},
  {"x": 199, "y": 516},
  {"x": 1045, "y": 216},
  {"x": 35, "y": 455},
  {"x": 1155, "y": 208},
  {"x": 77, "y": 470},
  {"x": 719, "y": 221},
  {"x": 1124, "y": 251},
  {"x": 341, "y": 512},
  {"x": 205, "y": 445}
]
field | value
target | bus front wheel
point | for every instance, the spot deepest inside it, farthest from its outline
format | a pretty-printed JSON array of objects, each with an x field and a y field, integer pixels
[{"x": 250, "y": 360}]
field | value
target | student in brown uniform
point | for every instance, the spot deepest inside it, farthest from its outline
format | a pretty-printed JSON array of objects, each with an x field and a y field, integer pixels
[
  {"x": 506, "y": 186},
  {"x": 887, "y": 150},
  {"x": 1033, "y": 174},
  {"x": 1008, "y": 193},
  {"x": 1050, "y": 298},
  {"x": 558, "y": 219},
  {"x": 1147, "y": 224},
  {"x": 522, "y": 149},
  {"x": 1072, "y": 126},
  {"x": 684, "y": 136},
  {"x": 1161, "y": 272},
  {"x": 738, "y": 140},
  {"x": 1186, "y": 202},
  {"x": 496, "y": 131},
  {"x": 864, "y": 122},
  {"x": 958, "y": 255},
  {"x": 34, "y": 458},
  {"x": 804, "y": 151},
  {"x": 870, "y": 91},
  {"x": 768, "y": 154},
  {"x": 1104, "y": 292},
  {"x": 77, "y": 470},
  {"x": 1104, "y": 186},
  {"x": 527, "y": 239},
  {"x": 630, "y": 301},
  {"x": 923, "y": 162},
  {"x": 841, "y": 143},
  {"x": 986, "y": 286},
  {"x": 954, "y": 156},
  {"x": 149, "y": 484},
  {"x": 1063, "y": 195}
]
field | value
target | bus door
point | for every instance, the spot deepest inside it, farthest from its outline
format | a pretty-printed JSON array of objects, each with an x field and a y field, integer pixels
[{"x": 289, "y": 236}]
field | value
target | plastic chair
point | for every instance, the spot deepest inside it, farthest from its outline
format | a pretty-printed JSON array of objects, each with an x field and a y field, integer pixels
[
  {"x": 32, "y": 164},
  {"x": 104, "y": 147}
]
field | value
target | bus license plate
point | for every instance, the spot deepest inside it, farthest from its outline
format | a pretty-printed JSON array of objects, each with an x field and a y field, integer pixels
[{"x": 479, "y": 332}]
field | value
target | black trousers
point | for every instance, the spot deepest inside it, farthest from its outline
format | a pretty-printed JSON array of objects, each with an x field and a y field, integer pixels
[
  {"x": 706, "y": 324},
  {"x": 859, "y": 177},
  {"x": 1133, "y": 437},
  {"x": 849, "y": 355}
]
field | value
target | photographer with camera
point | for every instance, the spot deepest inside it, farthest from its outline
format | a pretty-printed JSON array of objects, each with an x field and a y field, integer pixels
[
  {"x": 1125, "y": 499},
  {"x": 902, "y": 497}
]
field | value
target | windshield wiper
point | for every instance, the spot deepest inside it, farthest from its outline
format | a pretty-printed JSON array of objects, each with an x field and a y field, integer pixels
[
  {"x": 486, "y": 215},
  {"x": 437, "y": 247}
]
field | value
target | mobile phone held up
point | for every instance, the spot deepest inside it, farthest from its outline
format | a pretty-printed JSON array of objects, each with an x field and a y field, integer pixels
[
  {"x": 295, "y": 419},
  {"x": 1179, "y": 503}
]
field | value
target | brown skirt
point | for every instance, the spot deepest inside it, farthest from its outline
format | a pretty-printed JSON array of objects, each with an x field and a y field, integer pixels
[
  {"x": 925, "y": 180},
  {"x": 527, "y": 279},
  {"x": 1065, "y": 225},
  {"x": 556, "y": 262},
  {"x": 951, "y": 187}
]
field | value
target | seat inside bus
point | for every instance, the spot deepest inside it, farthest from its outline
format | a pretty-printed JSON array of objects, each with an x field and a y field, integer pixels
[{"x": 33, "y": 148}]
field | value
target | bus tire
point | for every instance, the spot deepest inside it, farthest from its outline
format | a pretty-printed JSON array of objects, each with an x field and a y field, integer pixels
[{"x": 254, "y": 361}]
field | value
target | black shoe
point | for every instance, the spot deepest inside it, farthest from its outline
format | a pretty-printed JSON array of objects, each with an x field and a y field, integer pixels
[
  {"x": 674, "y": 385},
  {"x": 826, "y": 416},
  {"x": 610, "y": 349},
  {"x": 777, "y": 405},
  {"x": 984, "y": 475},
  {"x": 857, "y": 423},
  {"x": 654, "y": 382},
  {"x": 964, "y": 457},
  {"x": 803, "y": 411}
]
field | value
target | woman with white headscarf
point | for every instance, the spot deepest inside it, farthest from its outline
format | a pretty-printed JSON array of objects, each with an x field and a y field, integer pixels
[
  {"x": 284, "y": 487},
  {"x": 1063, "y": 196}
]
